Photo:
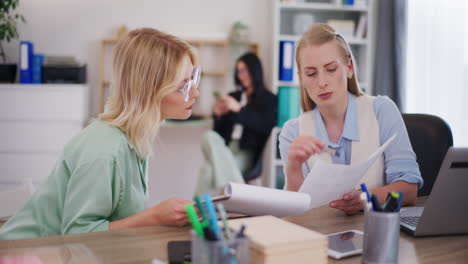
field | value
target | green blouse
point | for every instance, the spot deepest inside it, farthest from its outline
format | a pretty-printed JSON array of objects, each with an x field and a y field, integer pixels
[{"x": 99, "y": 178}]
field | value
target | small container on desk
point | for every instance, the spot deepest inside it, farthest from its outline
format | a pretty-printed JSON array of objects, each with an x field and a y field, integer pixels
[
  {"x": 219, "y": 251},
  {"x": 381, "y": 237}
]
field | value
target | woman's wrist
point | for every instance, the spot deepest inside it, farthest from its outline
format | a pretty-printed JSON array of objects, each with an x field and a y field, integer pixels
[
  {"x": 294, "y": 176},
  {"x": 144, "y": 218}
]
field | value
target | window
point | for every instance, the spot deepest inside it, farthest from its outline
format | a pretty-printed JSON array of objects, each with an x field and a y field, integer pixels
[{"x": 437, "y": 63}]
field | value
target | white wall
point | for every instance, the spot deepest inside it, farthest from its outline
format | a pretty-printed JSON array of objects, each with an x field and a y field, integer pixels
[{"x": 66, "y": 27}]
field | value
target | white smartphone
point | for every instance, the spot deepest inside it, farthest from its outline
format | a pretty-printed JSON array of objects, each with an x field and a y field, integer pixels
[{"x": 345, "y": 243}]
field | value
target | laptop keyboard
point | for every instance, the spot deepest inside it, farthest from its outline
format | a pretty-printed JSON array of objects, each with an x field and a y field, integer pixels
[{"x": 410, "y": 220}]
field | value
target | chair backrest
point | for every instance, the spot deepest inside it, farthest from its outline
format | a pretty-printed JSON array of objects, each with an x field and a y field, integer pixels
[{"x": 430, "y": 138}]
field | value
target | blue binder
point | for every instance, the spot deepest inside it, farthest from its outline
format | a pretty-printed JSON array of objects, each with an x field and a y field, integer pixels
[
  {"x": 38, "y": 60},
  {"x": 286, "y": 60},
  {"x": 26, "y": 58}
]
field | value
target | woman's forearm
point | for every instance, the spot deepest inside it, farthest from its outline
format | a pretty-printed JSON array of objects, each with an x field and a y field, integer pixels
[
  {"x": 294, "y": 178},
  {"x": 410, "y": 191},
  {"x": 141, "y": 219}
]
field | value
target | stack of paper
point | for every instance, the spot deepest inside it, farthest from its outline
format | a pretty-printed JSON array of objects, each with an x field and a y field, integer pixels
[{"x": 273, "y": 240}]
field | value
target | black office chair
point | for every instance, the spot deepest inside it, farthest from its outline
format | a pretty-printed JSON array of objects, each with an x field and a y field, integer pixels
[{"x": 430, "y": 138}]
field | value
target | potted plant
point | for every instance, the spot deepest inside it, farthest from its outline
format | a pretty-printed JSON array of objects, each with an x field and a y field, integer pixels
[{"x": 8, "y": 22}]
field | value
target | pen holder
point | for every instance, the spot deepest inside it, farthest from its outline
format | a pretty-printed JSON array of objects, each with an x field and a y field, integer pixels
[
  {"x": 219, "y": 252},
  {"x": 381, "y": 237}
]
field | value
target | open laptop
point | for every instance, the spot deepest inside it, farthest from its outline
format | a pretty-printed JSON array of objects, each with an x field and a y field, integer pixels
[{"x": 446, "y": 210}]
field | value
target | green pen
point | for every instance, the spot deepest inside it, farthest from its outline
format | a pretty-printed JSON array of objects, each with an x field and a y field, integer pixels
[
  {"x": 205, "y": 222},
  {"x": 194, "y": 220},
  {"x": 224, "y": 218}
]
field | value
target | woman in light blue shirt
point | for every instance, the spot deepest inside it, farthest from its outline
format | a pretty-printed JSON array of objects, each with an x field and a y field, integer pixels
[
  {"x": 100, "y": 182},
  {"x": 330, "y": 97}
]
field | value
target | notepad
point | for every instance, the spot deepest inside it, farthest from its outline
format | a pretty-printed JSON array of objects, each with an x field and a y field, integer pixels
[
  {"x": 273, "y": 240},
  {"x": 256, "y": 200}
]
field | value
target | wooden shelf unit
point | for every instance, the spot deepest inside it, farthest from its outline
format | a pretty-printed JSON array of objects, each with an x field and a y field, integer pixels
[{"x": 217, "y": 68}]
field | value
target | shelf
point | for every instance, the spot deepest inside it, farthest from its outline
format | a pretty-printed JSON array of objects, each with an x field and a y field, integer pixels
[
  {"x": 278, "y": 162},
  {"x": 214, "y": 73},
  {"x": 206, "y": 122},
  {"x": 201, "y": 42},
  {"x": 351, "y": 41},
  {"x": 322, "y": 7},
  {"x": 109, "y": 41},
  {"x": 286, "y": 83}
]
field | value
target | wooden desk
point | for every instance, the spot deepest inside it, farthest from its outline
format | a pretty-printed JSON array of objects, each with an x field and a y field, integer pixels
[{"x": 143, "y": 244}]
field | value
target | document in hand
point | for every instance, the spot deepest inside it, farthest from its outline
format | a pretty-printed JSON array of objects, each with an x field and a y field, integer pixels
[
  {"x": 327, "y": 182},
  {"x": 256, "y": 200}
]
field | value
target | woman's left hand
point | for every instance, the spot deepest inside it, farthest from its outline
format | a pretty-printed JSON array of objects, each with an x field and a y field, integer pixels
[
  {"x": 232, "y": 104},
  {"x": 350, "y": 204}
]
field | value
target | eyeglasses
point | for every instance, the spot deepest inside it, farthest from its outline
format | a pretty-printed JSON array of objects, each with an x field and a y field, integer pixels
[{"x": 192, "y": 83}]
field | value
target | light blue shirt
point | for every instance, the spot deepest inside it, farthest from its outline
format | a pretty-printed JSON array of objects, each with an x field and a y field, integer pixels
[{"x": 400, "y": 160}]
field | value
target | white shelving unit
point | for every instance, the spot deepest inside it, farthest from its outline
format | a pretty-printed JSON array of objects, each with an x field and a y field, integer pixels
[
  {"x": 322, "y": 11},
  {"x": 272, "y": 171},
  {"x": 36, "y": 121},
  {"x": 362, "y": 48}
]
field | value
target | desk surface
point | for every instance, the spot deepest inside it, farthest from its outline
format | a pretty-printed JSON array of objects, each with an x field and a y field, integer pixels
[{"x": 141, "y": 245}]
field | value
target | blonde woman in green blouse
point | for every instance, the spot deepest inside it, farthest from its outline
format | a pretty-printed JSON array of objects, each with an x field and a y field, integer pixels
[{"x": 100, "y": 181}]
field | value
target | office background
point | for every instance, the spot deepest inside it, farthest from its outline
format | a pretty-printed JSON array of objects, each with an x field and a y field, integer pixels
[{"x": 436, "y": 80}]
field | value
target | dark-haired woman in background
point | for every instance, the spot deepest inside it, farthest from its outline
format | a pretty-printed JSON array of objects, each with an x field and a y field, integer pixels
[{"x": 245, "y": 117}]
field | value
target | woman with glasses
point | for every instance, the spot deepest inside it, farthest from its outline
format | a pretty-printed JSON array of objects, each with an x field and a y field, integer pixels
[
  {"x": 337, "y": 115},
  {"x": 244, "y": 118},
  {"x": 100, "y": 182}
]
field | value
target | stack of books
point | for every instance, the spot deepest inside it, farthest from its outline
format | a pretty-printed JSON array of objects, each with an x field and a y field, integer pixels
[{"x": 273, "y": 240}]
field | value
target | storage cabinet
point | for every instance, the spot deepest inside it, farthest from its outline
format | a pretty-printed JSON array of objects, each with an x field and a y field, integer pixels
[{"x": 36, "y": 121}]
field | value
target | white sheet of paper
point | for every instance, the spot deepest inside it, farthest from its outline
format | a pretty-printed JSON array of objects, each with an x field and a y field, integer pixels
[
  {"x": 327, "y": 182},
  {"x": 257, "y": 200}
]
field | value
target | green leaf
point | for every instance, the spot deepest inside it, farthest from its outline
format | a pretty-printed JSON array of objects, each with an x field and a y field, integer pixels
[{"x": 9, "y": 20}]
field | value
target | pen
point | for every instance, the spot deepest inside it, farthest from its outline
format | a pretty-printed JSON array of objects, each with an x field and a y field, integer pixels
[
  {"x": 364, "y": 189},
  {"x": 214, "y": 223},
  {"x": 393, "y": 202},
  {"x": 193, "y": 217},
  {"x": 365, "y": 204},
  {"x": 240, "y": 234},
  {"x": 375, "y": 203},
  {"x": 329, "y": 150},
  {"x": 224, "y": 218},
  {"x": 202, "y": 211},
  {"x": 212, "y": 216}
]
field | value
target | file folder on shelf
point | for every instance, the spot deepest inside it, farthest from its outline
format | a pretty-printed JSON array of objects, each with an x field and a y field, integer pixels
[
  {"x": 288, "y": 104},
  {"x": 38, "y": 60},
  {"x": 286, "y": 60},
  {"x": 25, "y": 59}
]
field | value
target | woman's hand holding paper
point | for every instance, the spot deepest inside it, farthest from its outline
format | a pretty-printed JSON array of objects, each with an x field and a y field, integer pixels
[
  {"x": 300, "y": 150},
  {"x": 350, "y": 204}
]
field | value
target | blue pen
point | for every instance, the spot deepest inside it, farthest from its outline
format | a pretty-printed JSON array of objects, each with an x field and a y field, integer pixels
[
  {"x": 364, "y": 189},
  {"x": 375, "y": 204},
  {"x": 212, "y": 216},
  {"x": 214, "y": 223}
]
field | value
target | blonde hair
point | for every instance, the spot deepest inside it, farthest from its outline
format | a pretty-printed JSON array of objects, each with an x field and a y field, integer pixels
[
  {"x": 146, "y": 67},
  {"x": 320, "y": 34}
]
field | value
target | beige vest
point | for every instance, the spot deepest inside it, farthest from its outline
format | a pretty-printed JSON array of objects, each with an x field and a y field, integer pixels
[{"x": 369, "y": 134}]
